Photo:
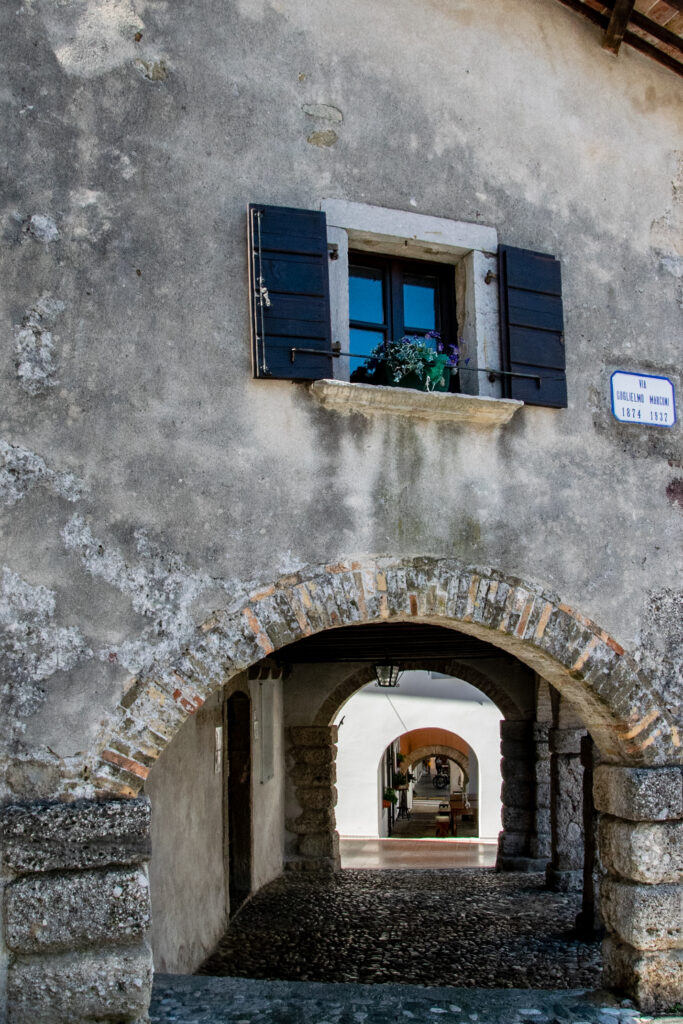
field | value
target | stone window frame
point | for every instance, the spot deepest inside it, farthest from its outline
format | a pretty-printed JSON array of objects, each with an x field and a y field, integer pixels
[{"x": 471, "y": 249}]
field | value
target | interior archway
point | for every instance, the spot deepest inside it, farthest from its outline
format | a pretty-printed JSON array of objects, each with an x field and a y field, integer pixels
[{"x": 431, "y": 749}]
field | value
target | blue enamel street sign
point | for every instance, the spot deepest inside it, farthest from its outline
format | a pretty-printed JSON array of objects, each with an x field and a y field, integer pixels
[{"x": 643, "y": 399}]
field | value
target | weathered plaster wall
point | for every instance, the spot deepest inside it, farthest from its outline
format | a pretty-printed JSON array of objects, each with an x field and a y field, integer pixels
[
  {"x": 150, "y": 479},
  {"x": 187, "y": 874}
]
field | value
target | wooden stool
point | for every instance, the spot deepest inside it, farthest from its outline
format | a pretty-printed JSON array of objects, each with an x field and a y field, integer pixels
[{"x": 443, "y": 825}]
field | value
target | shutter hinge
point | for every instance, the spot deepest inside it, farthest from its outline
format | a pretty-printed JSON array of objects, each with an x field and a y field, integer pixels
[
  {"x": 490, "y": 276},
  {"x": 262, "y": 293}
]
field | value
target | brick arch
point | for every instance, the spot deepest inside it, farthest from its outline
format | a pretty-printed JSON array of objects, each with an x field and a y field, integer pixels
[
  {"x": 333, "y": 703},
  {"x": 617, "y": 703},
  {"x": 456, "y": 755}
]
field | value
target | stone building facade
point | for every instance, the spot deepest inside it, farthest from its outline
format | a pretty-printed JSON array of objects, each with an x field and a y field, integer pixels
[{"x": 173, "y": 521}]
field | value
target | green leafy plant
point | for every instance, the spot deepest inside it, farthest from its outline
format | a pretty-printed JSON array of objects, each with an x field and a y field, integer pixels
[
  {"x": 412, "y": 362},
  {"x": 390, "y": 796}
]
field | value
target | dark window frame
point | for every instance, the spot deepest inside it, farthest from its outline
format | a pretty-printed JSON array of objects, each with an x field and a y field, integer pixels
[{"x": 394, "y": 270}]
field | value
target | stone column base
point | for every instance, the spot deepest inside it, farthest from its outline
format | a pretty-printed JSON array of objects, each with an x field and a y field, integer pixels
[
  {"x": 523, "y": 864},
  {"x": 589, "y": 926},
  {"x": 76, "y": 911},
  {"x": 641, "y": 895},
  {"x": 563, "y": 881},
  {"x": 78, "y": 988},
  {"x": 653, "y": 979}
]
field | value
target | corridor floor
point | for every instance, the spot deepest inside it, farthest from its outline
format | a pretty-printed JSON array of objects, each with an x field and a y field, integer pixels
[
  {"x": 466, "y": 927},
  {"x": 417, "y": 853},
  {"x": 194, "y": 1000}
]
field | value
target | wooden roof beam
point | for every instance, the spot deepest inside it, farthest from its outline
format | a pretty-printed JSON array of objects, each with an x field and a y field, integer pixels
[
  {"x": 618, "y": 23},
  {"x": 602, "y": 21}
]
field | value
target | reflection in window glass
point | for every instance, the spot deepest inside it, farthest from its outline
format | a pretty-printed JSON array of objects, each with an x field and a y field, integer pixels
[
  {"x": 366, "y": 298},
  {"x": 419, "y": 304},
  {"x": 362, "y": 344}
]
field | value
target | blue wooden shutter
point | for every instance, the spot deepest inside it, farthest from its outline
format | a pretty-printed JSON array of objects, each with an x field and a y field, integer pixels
[
  {"x": 532, "y": 326},
  {"x": 290, "y": 299}
]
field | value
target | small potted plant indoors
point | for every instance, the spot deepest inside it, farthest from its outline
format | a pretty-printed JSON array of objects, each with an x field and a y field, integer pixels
[
  {"x": 390, "y": 796},
  {"x": 423, "y": 363}
]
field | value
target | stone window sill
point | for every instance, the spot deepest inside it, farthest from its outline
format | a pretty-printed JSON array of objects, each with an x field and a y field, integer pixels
[{"x": 435, "y": 406}]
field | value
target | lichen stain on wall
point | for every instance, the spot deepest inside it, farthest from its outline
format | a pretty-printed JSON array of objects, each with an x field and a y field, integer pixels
[
  {"x": 34, "y": 346},
  {"x": 21, "y": 470},
  {"x": 32, "y": 648},
  {"x": 666, "y": 235},
  {"x": 160, "y": 587},
  {"x": 90, "y": 39},
  {"x": 661, "y": 644}
]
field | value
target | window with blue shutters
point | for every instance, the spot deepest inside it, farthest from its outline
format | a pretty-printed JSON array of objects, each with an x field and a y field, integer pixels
[
  {"x": 532, "y": 327},
  {"x": 289, "y": 261},
  {"x": 290, "y": 301}
]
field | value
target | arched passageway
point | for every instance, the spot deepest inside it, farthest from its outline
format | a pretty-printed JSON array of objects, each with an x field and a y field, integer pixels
[
  {"x": 637, "y": 782},
  {"x": 373, "y": 718},
  {"x": 453, "y": 753}
]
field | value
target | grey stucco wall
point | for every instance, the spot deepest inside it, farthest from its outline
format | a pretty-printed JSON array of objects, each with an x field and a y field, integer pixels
[
  {"x": 187, "y": 871},
  {"x": 149, "y": 478}
]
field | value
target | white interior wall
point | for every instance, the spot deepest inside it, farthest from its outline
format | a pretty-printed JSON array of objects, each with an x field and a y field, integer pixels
[
  {"x": 267, "y": 796},
  {"x": 373, "y": 718},
  {"x": 188, "y": 866}
]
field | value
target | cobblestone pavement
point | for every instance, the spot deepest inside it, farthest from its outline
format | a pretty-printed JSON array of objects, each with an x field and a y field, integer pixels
[
  {"x": 200, "y": 1000},
  {"x": 468, "y": 927}
]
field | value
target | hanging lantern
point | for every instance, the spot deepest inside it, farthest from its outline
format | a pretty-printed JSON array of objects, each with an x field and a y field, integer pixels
[{"x": 387, "y": 675}]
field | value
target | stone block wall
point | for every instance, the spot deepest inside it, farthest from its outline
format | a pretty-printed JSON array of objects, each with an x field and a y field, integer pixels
[
  {"x": 77, "y": 910},
  {"x": 516, "y": 843},
  {"x": 311, "y": 774},
  {"x": 640, "y": 839},
  {"x": 565, "y": 870}
]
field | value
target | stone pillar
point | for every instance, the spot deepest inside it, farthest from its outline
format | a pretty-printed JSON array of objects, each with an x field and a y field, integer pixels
[
  {"x": 76, "y": 911},
  {"x": 519, "y": 798},
  {"x": 541, "y": 840},
  {"x": 640, "y": 838},
  {"x": 565, "y": 871},
  {"x": 589, "y": 923},
  {"x": 311, "y": 768}
]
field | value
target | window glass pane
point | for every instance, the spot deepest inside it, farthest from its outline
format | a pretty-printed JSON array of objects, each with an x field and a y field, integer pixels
[
  {"x": 419, "y": 303},
  {"x": 366, "y": 295},
  {"x": 362, "y": 344}
]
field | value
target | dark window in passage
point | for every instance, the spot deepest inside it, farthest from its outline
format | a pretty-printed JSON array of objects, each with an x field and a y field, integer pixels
[{"x": 239, "y": 799}]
